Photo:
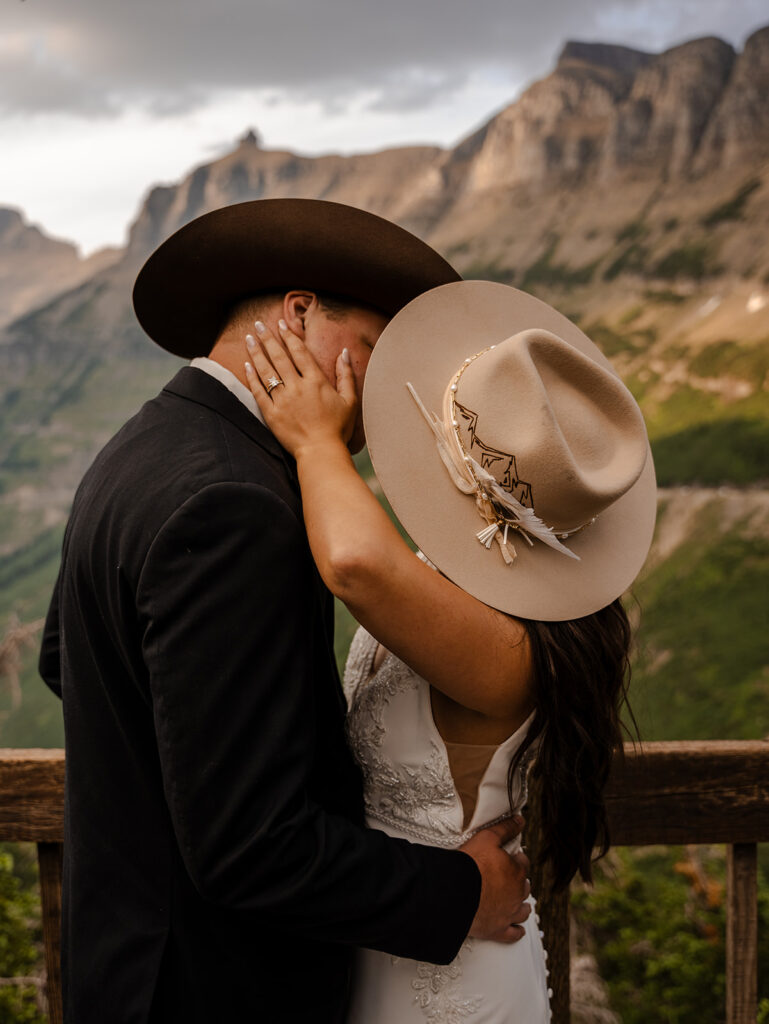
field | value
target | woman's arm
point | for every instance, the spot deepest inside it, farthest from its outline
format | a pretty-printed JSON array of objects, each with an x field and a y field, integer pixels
[{"x": 440, "y": 631}]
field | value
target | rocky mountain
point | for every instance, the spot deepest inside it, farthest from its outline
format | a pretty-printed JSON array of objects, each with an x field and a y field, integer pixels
[
  {"x": 389, "y": 183},
  {"x": 605, "y": 115},
  {"x": 617, "y": 164},
  {"x": 34, "y": 266}
]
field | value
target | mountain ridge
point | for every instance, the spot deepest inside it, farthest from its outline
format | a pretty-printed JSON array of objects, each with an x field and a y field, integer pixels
[{"x": 650, "y": 134}]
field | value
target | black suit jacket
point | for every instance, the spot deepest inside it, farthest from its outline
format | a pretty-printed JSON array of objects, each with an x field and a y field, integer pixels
[{"x": 216, "y": 867}]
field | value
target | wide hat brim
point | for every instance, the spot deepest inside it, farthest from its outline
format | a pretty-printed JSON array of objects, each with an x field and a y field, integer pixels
[
  {"x": 189, "y": 284},
  {"x": 425, "y": 344}
]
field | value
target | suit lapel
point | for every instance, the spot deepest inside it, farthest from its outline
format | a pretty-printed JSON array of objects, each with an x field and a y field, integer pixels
[{"x": 197, "y": 386}]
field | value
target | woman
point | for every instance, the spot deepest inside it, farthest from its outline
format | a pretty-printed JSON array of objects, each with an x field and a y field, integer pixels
[{"x": 519, "y": 463}]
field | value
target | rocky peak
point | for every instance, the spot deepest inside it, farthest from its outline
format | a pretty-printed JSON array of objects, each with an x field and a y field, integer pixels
[
  {"x": 739, "y": 128},
  {"x": 605, "y": 111},
  {"x": 252, "y": 138},
  {"x": 10, "y": 221},
  {"x": 17, "y": 234},
  {"x": 756, "y": 47},
  {"x": 603, "y": 55},
  {"x": 34, "y": 266}
]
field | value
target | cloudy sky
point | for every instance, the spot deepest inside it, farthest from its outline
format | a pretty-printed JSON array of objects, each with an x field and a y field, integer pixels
[{"x": 99, "y": 99}]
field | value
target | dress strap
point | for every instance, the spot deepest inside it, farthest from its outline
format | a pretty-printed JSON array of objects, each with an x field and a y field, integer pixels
[{"x": 359, "y": 662}]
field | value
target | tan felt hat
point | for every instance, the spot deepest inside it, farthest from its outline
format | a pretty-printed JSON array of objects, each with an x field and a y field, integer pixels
[
  {"x": 188, "y": 285},
  {"x": 510, "y": 451}
]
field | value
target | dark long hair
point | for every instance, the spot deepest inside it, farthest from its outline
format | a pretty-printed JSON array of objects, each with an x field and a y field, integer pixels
[{"x": 581, "y": 674}]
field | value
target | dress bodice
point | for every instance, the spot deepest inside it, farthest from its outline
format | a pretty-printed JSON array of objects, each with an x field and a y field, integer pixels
[
  {"x": 409, "y": 789},
  {"x": 410, "y": 794}
]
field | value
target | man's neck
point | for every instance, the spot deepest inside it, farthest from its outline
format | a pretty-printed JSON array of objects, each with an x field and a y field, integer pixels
[
  {"x": 223, "y": 364},
  {"x": 231, "y": 353}
]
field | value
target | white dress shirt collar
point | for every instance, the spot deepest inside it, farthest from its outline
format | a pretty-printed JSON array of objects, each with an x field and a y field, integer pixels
[{"x": 230, "y": 381}]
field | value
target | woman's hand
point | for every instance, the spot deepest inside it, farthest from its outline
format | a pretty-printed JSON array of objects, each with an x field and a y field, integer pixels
[{"x": 303, "y": 410}]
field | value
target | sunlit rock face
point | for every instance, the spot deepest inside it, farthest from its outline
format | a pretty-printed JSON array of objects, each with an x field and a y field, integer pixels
[
  {"x": 606, "y": 111},
  {"x": 661, "y": 122},
  {"x": 389, "y": 183},
  {"x": 738, "y": 130}
]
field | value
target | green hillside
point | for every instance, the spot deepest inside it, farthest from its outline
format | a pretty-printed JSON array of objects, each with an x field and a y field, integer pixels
[
  {"x": 703, "y": 623},
  {"x": 52, "y": 423}
]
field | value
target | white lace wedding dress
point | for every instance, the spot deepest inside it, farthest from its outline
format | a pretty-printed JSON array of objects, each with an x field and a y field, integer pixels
[{"x": 410, "y": 793}]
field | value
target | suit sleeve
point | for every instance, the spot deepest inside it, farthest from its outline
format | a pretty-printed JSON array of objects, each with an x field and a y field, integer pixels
[
  {"x": 49, "y": 663},
  {"x": 225, "y": 604}
]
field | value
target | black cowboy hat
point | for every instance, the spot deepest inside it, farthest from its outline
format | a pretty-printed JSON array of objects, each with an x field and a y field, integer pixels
[{"x": 187, "y": 287}]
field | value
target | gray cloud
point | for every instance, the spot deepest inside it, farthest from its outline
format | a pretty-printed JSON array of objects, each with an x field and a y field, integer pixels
[{"x": 95, "y": 57}]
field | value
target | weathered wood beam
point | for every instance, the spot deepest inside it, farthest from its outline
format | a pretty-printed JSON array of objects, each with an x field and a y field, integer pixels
[
  {"x": 703, "y": 792},
  {"x": 32, "y": 795}
]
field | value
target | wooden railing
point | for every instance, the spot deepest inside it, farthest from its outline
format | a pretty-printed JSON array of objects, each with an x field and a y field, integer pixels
[
  {"x": 668, "y": 793},
  {"x": 32, "y": 811},
  {"x": 684, "y": 793}
]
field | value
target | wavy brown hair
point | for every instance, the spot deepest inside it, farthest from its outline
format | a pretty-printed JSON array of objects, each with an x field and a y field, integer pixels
[{"x": 581, "y": 675}]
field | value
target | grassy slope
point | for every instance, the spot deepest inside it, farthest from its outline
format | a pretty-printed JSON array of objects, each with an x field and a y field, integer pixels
[{"x": 702, "y": 666}]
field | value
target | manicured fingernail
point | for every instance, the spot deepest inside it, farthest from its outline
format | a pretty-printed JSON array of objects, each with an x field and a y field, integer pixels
[
  {"x": 346, "y": 356},
  {"x": 249, "y": 370},
  {"x": 283, "y": 325},
  {"x": 250, "y": 341},
  {"x": 259, "y": 327}
]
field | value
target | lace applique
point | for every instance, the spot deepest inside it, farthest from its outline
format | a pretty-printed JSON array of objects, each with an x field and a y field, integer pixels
[
  {"x": 394, "y": 792},
  {"x": 438, "y": 993},
  {"x": 419, "y": 799},
  {"x": 404, "y": 795}
]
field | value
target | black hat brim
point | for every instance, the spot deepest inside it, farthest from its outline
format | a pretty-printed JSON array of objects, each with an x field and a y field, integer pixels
[{"x": 187, "y": 287}]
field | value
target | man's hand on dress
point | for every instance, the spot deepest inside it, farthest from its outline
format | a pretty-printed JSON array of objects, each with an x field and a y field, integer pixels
[{"x": 505, "y": 886}]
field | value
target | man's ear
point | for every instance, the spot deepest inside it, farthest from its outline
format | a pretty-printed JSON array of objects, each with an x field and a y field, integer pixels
[{"x": 296, "y": 307}]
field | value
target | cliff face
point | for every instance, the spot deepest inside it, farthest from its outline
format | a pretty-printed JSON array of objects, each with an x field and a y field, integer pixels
[
  {"x": 739, "y": 127},
  {"x": 607, "y": 112},
  {"x": 660, "y": 124}
]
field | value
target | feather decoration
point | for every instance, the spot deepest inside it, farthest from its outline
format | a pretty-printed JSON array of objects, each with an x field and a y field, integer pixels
[
  {"x": 526, "y": 520},
  {"x": 470, "y": 480},
  {"x": 463, "y": 483}
]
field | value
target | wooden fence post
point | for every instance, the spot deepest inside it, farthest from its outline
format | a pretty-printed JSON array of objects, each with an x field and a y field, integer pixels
[
  {"x": 49, "y": 860},
  {"x": 741, "y": 933}
]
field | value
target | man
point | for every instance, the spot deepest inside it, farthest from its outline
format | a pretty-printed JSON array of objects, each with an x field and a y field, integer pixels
[{"x": 215, "y": 863}]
